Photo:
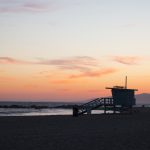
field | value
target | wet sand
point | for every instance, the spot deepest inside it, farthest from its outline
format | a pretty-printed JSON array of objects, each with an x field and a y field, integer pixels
[{"x": 95, "y": 132}]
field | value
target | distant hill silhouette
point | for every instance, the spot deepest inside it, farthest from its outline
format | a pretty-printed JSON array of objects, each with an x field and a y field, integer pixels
[{"x": 143, "y": 98}]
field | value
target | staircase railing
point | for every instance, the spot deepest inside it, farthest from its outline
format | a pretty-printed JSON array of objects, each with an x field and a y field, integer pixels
[{"x": 98, "y": 102}]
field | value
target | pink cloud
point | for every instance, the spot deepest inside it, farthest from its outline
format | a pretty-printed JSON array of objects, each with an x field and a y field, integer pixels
[
  {"x": 127, "y": 60},
  {"x": 6, "y": 60},
  {"x": 97, "y": 73},
  {"x": 79, "y": 63},
  {"x": 85, "y": 60},
  {"x": 87, "y": 66},
  {"x": 35, "y": 6},
  {"x": 18, "y": 6},
  {"x": 10, "y": 60}
]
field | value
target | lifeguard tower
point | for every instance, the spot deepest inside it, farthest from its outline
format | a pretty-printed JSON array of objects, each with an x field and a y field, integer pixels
[
  {"x": 123, "y": 97},
  {"x": 122, "y": 100}
]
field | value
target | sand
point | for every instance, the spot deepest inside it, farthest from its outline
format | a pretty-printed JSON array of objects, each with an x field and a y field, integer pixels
[{"x": 93, "y": 132}]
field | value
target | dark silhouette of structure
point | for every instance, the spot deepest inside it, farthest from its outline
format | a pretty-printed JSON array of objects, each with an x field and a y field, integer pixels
[{"x": 122, "y": 100}]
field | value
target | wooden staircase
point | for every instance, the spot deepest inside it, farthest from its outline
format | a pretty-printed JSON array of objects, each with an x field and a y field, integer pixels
[{"x": 94, "y": 104}]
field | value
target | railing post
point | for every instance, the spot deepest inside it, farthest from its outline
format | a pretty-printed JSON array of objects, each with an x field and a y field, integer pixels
[
  {"x": 104, "y": 105},
  {"x": 114, "y": 109},
  {"x": 75, "y": 111}
]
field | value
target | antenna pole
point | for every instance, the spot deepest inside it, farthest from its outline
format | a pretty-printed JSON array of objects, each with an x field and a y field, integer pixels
[{"x": 126, "y": 82}]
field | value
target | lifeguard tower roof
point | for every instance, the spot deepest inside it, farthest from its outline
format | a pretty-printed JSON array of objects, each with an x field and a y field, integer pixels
[{"x": 120, "y": 88}]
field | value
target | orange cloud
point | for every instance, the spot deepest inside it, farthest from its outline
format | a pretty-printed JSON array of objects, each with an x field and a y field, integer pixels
[
  {"x": 3, "y": 78},
  {"x": 127, "y": 60},
  {"x": 31, "y": 86},
  {"x": 63, "y": 90},
  {"x": 94, "y": 91},
  {"x": 60, "y": 81},
  {"x": 98, "y": 73}
]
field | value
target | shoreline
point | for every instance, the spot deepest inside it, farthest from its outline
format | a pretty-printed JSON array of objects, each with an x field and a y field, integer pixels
[{"x": 57, "y": 111}]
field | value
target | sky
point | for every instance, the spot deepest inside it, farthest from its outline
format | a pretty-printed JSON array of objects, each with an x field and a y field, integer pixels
[{"x": 70, "y": 50}]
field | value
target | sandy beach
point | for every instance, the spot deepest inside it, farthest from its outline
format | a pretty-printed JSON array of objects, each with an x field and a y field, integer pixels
[{"x": 93, "y": 132}]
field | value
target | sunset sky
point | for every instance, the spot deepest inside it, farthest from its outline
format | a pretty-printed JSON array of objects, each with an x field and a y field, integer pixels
[{"x": 70, "y": 50}]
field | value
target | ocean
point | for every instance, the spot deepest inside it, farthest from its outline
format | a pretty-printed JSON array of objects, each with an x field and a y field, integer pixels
[
  {"x": 38, "y": 108},
  {"x": 33, "y": 112},
  {"x": 34, "y": 108}
]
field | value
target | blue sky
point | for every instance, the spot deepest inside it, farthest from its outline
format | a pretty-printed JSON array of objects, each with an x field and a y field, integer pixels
[{"x": 79, "y": 27}]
